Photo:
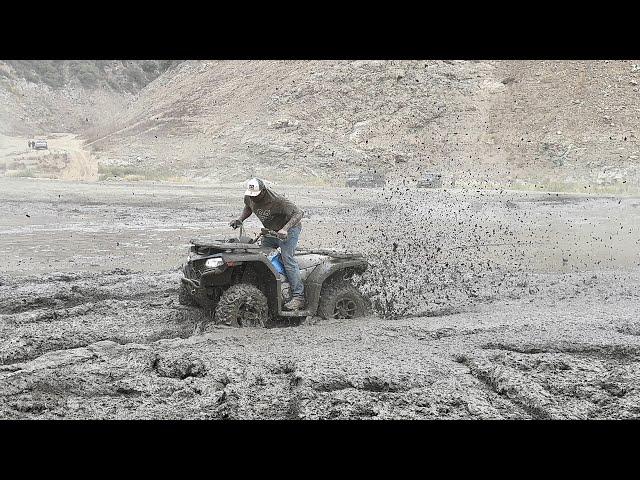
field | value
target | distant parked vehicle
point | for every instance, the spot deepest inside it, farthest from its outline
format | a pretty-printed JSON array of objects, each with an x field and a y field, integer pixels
[
  {"x": 41, "y": 145},
  {"x": 366, "y": 180},
  {"x": 430, "y": 180}
]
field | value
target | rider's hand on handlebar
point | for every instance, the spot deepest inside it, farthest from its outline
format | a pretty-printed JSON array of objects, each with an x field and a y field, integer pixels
[
  {"x": 282, "y": 234},
  {"x": 235, "y": 224}
]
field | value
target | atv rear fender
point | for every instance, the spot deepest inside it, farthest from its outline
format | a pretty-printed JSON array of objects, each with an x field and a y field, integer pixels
[{"x": 322, "y": 273}]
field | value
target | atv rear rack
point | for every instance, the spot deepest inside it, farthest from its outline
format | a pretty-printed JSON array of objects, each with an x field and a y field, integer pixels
[{"x": 330, "y": 253}]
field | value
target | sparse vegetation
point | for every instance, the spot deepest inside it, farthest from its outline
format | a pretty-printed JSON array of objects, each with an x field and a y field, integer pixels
[
  {"x": 25, "y": 172},
  {"x": 114, "y": 172},
  {"x": 577, "y": 187}
]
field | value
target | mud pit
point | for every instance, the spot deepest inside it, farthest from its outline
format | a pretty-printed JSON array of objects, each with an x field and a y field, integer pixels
[{"x": 488, "y": 305}]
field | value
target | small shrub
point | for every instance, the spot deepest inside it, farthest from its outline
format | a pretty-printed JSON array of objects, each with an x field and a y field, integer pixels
[
  {"x": 26, "y": 173},
  {"x": 130, "y": 173}
]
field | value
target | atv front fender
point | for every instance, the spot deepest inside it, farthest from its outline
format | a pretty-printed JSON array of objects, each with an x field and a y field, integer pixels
[{"x": 192, "y": 284}]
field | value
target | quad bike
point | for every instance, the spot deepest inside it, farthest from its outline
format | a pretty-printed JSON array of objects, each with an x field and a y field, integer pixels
[{"x": 240, "y": 282}]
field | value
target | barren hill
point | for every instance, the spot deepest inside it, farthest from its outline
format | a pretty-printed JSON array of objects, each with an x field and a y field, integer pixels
[
  {"x": 478, "y": 122},
  {"x": 230, "y": 118},
  {"x": 566, "y": 125},
  {"x": 38, "y": 97}
]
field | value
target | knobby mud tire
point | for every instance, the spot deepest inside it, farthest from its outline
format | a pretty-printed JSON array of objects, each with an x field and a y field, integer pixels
[
  {"x": 242, "y": 305},
  {"x": 342, "y": 300}
]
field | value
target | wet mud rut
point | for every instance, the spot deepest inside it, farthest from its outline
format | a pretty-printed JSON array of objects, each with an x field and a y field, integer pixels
[{"x": 118, "y": 345}]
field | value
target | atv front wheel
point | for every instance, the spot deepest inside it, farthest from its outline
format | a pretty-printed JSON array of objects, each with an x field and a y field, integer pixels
[
  {"x": 242, "y": 305},
  {"x": 341, "y": 301}
]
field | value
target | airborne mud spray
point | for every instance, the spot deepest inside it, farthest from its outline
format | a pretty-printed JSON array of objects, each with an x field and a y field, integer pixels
[{"x": 432, "y": 252}]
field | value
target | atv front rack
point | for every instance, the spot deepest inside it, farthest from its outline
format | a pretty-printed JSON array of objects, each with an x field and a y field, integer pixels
[{"x": 223, "y": 244}]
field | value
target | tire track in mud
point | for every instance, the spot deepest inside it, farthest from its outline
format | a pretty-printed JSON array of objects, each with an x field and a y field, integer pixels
[
  {"x": 128, "y": 352},
  {"x": 282, "y": 375},
  {"x": 70, "y": 311},
  {"x": 69, "y": 290},
  {"x": 531, "y": 397},
  {"x": 562, "y": 379}
]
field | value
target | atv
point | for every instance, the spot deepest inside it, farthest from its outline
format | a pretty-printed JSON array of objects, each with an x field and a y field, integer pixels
[{"x": 243, "y": 283}]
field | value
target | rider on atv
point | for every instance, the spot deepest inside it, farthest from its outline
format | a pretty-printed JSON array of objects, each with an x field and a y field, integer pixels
[{"x": 279, "y": 214}]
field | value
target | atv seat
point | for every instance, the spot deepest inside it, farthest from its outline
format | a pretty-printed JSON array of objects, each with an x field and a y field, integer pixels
[{"x": 308, "y": 262}]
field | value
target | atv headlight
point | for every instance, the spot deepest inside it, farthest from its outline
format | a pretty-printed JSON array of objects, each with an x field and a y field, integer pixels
[{"x": 213, "y": 263}]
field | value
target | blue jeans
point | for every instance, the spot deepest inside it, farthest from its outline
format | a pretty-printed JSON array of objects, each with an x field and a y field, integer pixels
[{"x": 287, "y": 250}]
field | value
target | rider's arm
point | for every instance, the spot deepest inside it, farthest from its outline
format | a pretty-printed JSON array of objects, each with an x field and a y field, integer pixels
[
  {"x": 246, "y": 213},
  {"x": 294, "y": 220}
]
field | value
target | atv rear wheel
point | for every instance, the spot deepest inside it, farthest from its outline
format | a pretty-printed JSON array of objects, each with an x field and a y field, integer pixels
[
  {"x": 341, "y": 300},
  {"x": 242, "y": 305}
]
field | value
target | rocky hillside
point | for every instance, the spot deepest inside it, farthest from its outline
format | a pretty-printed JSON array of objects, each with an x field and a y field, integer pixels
[
  {"x": 227, "y": 119},
  {"x": 38, "y": 97},
  {"x": 573, "y": 123},
  {"x": 539, "y": 124},
  {"x": 555, "y": 125}
]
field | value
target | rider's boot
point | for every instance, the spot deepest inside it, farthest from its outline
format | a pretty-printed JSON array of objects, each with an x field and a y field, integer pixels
[{"x": 296, "y": 303}]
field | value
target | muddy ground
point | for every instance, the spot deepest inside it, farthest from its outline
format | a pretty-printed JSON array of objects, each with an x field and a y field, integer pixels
[{"x": 488, "y": 304}]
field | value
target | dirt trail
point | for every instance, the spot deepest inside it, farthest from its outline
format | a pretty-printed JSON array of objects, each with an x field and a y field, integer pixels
[
  {"x": 81, "y": 164},
  {"x": 81, "y": 167}
]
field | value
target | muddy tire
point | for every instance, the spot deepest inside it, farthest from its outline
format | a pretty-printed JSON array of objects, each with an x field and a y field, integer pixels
[
  {"x": 242, "y": 305},
  {"x": 184, "y": 297},
  {"x": 342, "y": 300}
]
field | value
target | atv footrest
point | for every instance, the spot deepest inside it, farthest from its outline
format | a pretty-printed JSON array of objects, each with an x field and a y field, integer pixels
[{"x": 295, "y": 313}]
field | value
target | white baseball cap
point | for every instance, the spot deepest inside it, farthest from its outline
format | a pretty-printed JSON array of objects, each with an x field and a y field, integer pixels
[{"x": 254, "y": 187}]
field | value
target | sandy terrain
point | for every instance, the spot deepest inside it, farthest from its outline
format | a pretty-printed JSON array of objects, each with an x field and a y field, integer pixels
[
  {"x": 65, "y": 158},
  {"x": 489, "y": 304}
]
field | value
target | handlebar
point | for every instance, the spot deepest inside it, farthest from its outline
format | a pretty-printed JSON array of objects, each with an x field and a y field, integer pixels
[{"x": 265, "y": 232}]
